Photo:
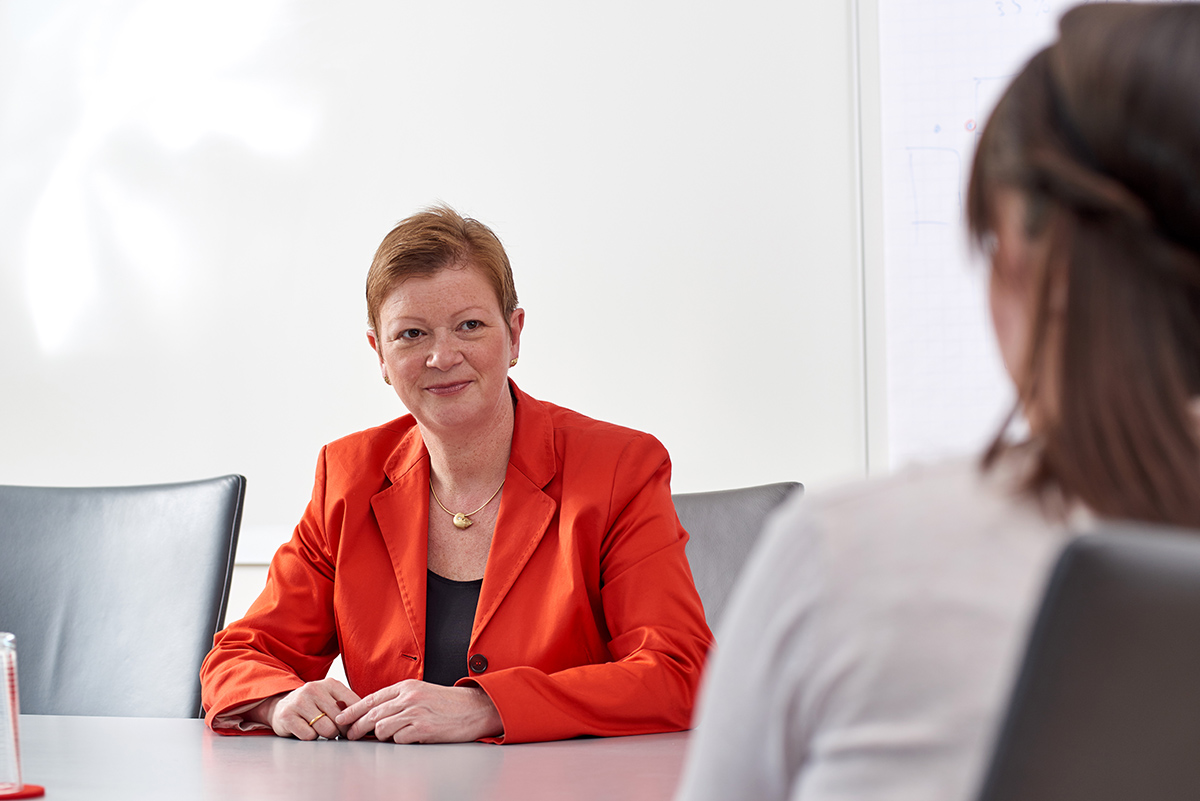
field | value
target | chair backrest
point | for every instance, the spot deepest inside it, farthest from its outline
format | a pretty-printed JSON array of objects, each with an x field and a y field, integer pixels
[
  {"x": 114, "y": 593},
  {"x": 723, "y": 527},
  {"x": 1107, "y": 703}
]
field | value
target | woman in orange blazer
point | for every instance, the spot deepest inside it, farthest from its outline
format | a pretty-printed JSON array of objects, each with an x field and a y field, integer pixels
[{"x": 562, "y": 605}]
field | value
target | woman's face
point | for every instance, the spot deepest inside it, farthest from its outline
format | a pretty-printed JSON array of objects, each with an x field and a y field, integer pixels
[
  {"x": 1017, "y": 264},
  {"x": 443, "y": 344},
  {"x": 1010, "y": 293}
]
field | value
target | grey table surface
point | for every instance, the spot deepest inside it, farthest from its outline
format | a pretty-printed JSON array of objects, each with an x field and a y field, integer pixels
[{"x": 101, "y": 758}]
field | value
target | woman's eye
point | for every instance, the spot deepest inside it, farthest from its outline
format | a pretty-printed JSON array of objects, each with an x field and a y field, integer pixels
[
  {"x": 410, "y": 333},
  {"x": 471, "y": 325}
]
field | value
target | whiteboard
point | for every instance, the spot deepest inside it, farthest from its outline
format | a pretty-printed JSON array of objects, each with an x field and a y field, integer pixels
[
  {"x": 191, "y": 193},
  {"x": 941, "y": 66},
  {"x": 737, "y": 228}
]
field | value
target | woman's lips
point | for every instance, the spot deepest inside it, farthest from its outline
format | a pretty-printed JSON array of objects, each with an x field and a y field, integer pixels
[{"x": 448, "y": 389}]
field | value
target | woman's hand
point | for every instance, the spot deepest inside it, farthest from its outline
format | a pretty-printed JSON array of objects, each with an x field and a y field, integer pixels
[
  {"x": 418, "y": 712},
  {"x": 307, "y": 712}
]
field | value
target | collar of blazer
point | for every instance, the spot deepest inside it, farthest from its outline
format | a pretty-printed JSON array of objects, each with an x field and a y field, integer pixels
[
  {"x": 402, "y": 511},
  {"x": 532, "y": 443}
]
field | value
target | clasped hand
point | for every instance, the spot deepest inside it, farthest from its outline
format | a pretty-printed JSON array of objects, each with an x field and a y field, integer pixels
[
  {"x": 418, "y": 712},
  {"x": 410, "y": 711}
]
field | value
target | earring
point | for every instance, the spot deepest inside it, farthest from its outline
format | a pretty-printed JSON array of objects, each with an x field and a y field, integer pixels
[
  {"x": 387, "y": 380},
  {"x": 513, "y": 363}
]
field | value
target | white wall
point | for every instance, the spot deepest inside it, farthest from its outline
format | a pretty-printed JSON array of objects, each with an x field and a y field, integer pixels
[{"x": 190, "y": 195}]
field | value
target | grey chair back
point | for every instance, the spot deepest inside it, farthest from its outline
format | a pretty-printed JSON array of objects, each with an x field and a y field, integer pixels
[
  {"x": 1107, "y": 703},
  {"x": 723, "y": 528},
  {"x": 114, "y": 593}
]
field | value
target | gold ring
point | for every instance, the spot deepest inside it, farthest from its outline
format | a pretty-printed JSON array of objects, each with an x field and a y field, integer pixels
[{"x": 314, "y": 720}]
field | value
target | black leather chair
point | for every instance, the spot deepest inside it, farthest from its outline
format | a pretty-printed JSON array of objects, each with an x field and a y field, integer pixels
[
  {"x": 114, "y": 593},
  {"x": 724, "y": 526},
  {"x": 1107, "y": 703}
]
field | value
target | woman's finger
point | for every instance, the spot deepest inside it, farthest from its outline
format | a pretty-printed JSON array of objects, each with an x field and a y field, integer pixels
[
  {"x": 305, "y": 713},
  {"x": 362, "y": 725},
  {"x": 359, "y": 719},
  {"x": 323, "y": 725},
  {"x": 295, "y": 723},
  {"x": 328, "y": 699},
  {"x": 398, "y": 728},
  {"x": 344, "y": 696},
  {"x": 357, "y": 709}
]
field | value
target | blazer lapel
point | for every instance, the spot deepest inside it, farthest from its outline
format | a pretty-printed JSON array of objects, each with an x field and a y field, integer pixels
[
  {"x": 525, "y": 511},
  {"x": 402, "y": 512}
]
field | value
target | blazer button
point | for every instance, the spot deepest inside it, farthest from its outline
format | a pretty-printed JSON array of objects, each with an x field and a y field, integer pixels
[{"x": 478, "y": 663}]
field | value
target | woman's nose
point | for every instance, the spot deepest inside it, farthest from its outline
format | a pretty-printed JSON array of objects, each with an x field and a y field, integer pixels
[{"x": 443, "y": 353}]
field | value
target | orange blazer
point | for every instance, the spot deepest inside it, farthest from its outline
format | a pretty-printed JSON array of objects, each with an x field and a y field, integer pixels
[{"x": 588, "y": 619}]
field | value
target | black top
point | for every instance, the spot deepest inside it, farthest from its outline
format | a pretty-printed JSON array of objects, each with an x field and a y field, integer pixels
[{"x": 449, "y": 615}]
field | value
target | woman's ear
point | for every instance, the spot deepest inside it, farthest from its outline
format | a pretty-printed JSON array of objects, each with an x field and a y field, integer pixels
[
  {"x": 374, "y": 342},
  {"x": 516, "y": 322}
]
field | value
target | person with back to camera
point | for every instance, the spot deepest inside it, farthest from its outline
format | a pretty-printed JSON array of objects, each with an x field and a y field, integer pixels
[
  {"x": 489, "y": 566},
  {"x": 870, "y": 648}
]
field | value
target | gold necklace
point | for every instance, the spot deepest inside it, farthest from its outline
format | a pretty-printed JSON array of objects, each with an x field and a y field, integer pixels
[{"x": 462, "y": 519}]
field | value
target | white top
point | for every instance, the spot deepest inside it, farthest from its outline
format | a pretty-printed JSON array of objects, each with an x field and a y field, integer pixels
[{"x": 869, "y": 649}]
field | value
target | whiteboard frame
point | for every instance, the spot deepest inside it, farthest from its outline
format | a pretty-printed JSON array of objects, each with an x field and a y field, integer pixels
[{"x": 869, "y": 127}]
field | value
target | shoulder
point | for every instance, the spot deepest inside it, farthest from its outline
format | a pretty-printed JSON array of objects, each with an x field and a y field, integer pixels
[
  {"x": 860, "y": 505},
  {"x": 576, "y": 436},
  {"x": 946, "y": 531},
  {"x": 370, "y": 450},
  {"x": 953, "y": 499},
  {"x": 900, "y": 488},
  {"x": 565, "y": 452},
  {"x": 578, "y": 429},
  {"x": 922, "y": 523}
]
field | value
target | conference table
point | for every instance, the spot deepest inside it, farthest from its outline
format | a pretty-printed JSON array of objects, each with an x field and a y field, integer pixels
[{"x": 101, "y": 758}]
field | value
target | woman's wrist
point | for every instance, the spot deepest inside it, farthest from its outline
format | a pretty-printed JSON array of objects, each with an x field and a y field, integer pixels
[
  {"x": 262, "y": 712},
  {"x": 487, "y": 715}
]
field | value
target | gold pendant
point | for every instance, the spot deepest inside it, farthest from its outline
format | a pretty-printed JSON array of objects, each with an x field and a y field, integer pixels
[{"x": 462, "y": 521}]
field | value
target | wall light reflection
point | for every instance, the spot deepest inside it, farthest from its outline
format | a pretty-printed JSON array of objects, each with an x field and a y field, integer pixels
[{"x": 155, "y": 82}]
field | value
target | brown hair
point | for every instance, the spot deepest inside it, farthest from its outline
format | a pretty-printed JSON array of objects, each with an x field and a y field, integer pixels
[
  {"x": 432, "y": 240},
  {"x": 1101, "y": 134}
]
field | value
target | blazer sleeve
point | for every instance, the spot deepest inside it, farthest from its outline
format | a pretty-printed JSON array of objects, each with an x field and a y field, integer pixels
[
  {"x": 287, "y": 637},
  {"x": 658, "y": 637}
]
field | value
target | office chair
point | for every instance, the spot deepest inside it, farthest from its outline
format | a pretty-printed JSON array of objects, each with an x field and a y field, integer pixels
[
  {"x": 1107, "y": 703},
  {"x": 114, "y": 593},
  {"x": 723, "y": 527}
]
